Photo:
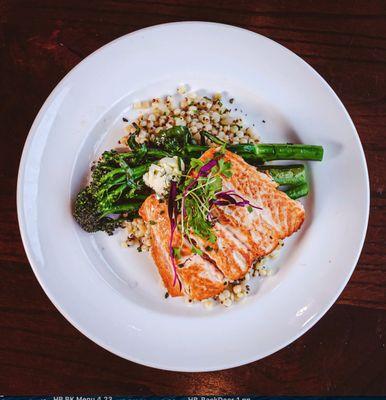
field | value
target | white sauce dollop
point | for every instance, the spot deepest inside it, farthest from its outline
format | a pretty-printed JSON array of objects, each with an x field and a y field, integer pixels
[{"x": 161, "y": 174}]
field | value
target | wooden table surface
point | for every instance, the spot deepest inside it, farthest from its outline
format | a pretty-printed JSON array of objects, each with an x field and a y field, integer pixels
[{"x": 40, "y": 352}]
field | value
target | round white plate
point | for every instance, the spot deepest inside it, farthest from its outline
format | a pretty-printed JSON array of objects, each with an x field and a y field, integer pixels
[{"x": 112, "y": 294}]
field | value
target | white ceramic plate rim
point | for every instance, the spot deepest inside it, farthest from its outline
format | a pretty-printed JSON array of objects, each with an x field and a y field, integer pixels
[{"x": 51, "y": 296}]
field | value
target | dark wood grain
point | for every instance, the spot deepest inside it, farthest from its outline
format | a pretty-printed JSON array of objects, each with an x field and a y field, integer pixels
[{"x": 40, "y": 352}]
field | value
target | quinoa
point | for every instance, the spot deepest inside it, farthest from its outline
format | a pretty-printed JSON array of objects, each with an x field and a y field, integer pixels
[
  {"x": 188, "y": 109},
  {"x": 138, "y": 234},
  {"x": 234, "y": 291}
]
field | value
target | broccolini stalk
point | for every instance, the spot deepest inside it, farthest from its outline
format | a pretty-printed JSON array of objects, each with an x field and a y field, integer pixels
[
  {"x": 123, "y": 208},
  {"x": 148, "y": 153}
]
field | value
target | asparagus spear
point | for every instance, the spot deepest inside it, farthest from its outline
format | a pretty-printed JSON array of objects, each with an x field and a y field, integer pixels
[
  {"x": 295, "y": 192},
  {"x": 286, "y": 175},
  {"x": 262, "y": 152},
  {"x": 292, "y": 176}
]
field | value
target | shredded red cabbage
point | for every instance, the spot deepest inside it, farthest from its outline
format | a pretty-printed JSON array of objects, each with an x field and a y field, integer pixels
[
  {"x": 205, "y": 169},
  {"x": 173, "y": 213},
  {"x": 230, "y": 198}
]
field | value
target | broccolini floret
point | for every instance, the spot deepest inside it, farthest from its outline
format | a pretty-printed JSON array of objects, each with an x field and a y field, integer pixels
[{"x": 114, "y": 194}]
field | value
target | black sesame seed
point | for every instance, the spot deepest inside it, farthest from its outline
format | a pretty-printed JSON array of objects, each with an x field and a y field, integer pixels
[
  {"x": 166, "y": 295},
  {"x": 125, "y": 119},
  {"x": 263, "y": 121}
]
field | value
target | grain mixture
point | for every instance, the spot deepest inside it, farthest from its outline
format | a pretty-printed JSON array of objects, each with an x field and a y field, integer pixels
[{"x": 196, "y": 113}]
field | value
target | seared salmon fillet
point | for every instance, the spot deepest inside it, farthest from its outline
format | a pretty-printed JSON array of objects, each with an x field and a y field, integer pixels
[
  {"x": 243, "y": 234},
  {"x": 230, "y": 255},
  {"x": 200, "y": 279}
]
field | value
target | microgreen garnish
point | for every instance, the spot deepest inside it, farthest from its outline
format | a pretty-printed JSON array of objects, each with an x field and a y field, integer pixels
[
  {"x": 201, "y": 190},
  {"x": 195, "y": 250},
  {"x": 197, "y": 194},
  {"x": 177, "y": 252}
]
